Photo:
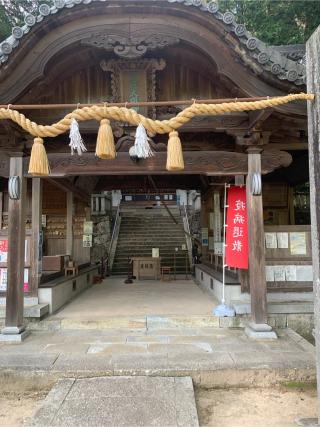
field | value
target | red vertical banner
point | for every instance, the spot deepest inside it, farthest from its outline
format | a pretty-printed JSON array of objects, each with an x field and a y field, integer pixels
[{"x": 237, "y": 228}]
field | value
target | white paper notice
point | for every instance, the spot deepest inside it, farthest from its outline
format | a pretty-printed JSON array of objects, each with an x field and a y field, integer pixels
[
  {"x": 218, "y": 248},
  {"x": 269, "y": 273},
  {"x": 279, "y": 273},
  {"x": 298, "y": 244},
  {"x": 3, "y": 279},
  {"x": 283, "y": 240},
  {"x": 271, "y": 240},
  {"x": 155, "y": 252},
  {"x": 291, "y": 273}
]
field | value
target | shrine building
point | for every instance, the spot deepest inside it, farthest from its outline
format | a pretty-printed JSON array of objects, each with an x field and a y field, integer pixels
[{"x": 92, "y": 217}]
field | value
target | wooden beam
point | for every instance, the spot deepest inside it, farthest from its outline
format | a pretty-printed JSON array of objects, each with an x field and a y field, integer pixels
[
  {"x": 16, "y": 254},
  {"x": 36, "y": 255},
  {"x": 204, "y": 183},
  {"x": 313, "y": 84},
  {"x": 67, "y": 186},
  {"x": 256, "y": 118},
  {"x": 135, "y": 104},
  {"x": 287, "y": 146},
  {"x": 257, "y": 274},
  {"x": 4, "y": 164},
  {"x": 69, "y": 239},
  {"x": 215, "y": 163}
]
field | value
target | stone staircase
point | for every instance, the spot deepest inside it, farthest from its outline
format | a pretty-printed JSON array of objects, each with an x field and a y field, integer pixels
[{"x": 144, "y": 229}]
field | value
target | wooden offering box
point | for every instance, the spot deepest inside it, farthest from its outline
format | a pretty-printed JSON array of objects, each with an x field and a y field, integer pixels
[{"x": 146, "y": 267}]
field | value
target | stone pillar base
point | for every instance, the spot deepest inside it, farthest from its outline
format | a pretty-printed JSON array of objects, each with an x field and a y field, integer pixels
[
  {"x": 13, "y": 334},
  {"x": 260, "y": 331}
]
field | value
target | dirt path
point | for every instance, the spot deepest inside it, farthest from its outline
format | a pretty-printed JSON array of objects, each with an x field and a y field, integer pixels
[
  {"x": 254, "y": 407},
  {"x": 14, "y": 409}
]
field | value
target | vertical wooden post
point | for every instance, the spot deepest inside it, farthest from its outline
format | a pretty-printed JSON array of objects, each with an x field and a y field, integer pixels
[
  {"x": 1, "y": 209},
  {"x": 313, "y": 86},
  {"x": 69, "y": 237},
  {"x": 257, "y": 274},
  {"x": 291, "y": 205},
  {"x": 36, "y": 263},
  {"x": 243, "y": 275},
  {"x": 16, "y": 254}
]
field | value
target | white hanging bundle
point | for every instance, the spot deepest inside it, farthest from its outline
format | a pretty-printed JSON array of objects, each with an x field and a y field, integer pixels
[
  {"x": 76, "y": 141},
  {"x": 141, "y": 144}
]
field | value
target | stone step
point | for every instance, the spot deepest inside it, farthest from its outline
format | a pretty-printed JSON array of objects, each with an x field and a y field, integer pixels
[
  {"x": 146, "y": 252},
  {"x": 124, "y": 271},
  {"x": 140, "y": 237},
  {"x": 145, "y": 228},
  {"x": 37, "y": 311},
  {"x": 91, "y": 402},
  {"x": 140, "y": 246},
  {"x": 149, "y": 231},
  {"x": 149, "y": 322}
]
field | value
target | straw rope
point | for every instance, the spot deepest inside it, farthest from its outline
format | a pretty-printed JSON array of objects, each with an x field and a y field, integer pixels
[{"x": 131, "y": 116}]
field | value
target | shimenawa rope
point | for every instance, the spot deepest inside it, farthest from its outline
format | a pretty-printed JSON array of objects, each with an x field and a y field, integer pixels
[{"x": 100, "y": 113}]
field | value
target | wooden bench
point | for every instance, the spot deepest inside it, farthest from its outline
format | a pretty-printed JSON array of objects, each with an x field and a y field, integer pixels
[
  {"x": 72, "y": 268},
  {"x": 164, "y": 271}
]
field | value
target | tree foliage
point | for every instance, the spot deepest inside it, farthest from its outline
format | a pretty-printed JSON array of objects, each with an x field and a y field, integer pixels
[
  {"x": 277, "y": 21},
  {"x": 12, "y": 13},
  {"x": 273, "y": 21}
]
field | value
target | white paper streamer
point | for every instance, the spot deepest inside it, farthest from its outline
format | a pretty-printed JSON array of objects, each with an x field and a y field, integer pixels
[
  {"x": 76, "y": 141},
  {"x": 141, "y": 144}
]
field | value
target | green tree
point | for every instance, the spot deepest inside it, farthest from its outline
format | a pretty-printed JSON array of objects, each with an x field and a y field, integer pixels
[
  {"x": 4, "y": 23},
  {"x": 12, "y": 13},
  {"x": 276, "y": 21},
  {"x": 273, "y": 21}
]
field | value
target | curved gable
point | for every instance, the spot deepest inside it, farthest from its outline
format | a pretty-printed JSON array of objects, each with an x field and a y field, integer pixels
[
  {"x": 268, "y": 58},
  {"x": 69, "y": 25}
]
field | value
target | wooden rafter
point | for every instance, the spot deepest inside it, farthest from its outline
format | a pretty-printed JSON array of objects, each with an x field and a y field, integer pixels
[{"x": 67, "y": 186}]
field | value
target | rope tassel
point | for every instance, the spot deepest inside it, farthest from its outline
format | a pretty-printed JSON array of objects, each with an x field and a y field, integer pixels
[
  {"x": 141, "y": 143},
  {"x": 175, "y": 160},
  {"x": 105, "y": 148},
  {"x": 76, "y": 141},
  {"x": 39, "y": 164}
]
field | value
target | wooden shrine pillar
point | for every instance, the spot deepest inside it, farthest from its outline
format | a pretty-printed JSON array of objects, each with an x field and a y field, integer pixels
[
  {"x": 313, "y": 86},
  {"x": 36, "y": 255},
  {"x": 14, "y": 329},
  {"x": 69, "y": 237},
  {"x": 257, "y": 274},
  {"x": 1, "y": 209}
]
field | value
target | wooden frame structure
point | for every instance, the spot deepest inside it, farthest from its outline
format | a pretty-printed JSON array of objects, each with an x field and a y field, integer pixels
[{"x": 208, "y": 55}]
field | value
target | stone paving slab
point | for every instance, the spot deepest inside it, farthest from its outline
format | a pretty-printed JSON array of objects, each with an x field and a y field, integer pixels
[
  {"x": 119, "y": 401},
  {"x": 27, "y": 360},
  {"x": 172, "y": 352}
]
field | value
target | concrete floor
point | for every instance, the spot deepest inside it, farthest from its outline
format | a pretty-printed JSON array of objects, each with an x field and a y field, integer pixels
[{"x": 145, "y": 297}]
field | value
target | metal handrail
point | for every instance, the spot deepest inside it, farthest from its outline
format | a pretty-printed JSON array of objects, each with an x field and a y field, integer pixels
[
  {"x": 113, "y": 232},
  {"x": 188, "y": 234}
]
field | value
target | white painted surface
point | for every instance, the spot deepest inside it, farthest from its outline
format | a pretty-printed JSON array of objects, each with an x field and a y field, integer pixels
[
  {"x": 62, "y": 293},
  {"x": 232, "y": 292}
]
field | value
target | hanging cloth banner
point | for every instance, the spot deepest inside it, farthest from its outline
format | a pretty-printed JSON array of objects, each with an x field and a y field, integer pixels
[{"x": 237, "y": 228}]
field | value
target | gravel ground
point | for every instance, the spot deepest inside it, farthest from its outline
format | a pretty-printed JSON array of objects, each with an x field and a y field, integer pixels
[
  {"x": 277, "y": 407},
  {"x": 14, "y": 408}
]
